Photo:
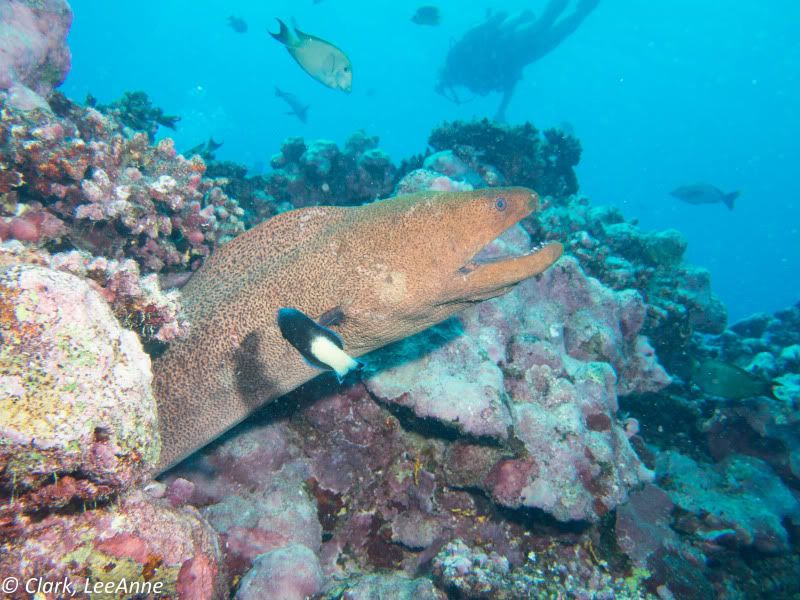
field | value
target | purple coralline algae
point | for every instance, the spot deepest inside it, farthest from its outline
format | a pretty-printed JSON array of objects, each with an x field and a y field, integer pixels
[
  {"x": 78, "y": 429},
  {"x": 136, "y": 548},
  {"x": 77, "y": 178},
  {"x": 261, "y": 503},
  {"x": 77, "y": 415},
  {"x": 644, "y": 533},
  {"x": 34, "y": 57},
  {"x": 319, "y": 172}
]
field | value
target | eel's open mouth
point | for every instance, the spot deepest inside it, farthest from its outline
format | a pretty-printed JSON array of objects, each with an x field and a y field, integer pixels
[{"x": 500, "y": 250}]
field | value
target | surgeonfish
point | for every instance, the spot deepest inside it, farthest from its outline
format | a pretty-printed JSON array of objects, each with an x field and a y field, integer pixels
[
  {"x": 704, "y": 193},
  {"x": 322, "y": 60},
  {"x": 318, "y": 345},
  {"x": 719, "y": 378}
]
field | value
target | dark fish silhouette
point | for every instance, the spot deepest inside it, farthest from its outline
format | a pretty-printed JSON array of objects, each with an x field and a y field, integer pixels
[
  {"x": 298, "y": 109},
  {"x": 427, "y": 15},
  {"x": 237, "y": 24},
  {"x": 704, "y": 193},
  {"x": 719, "y": 378},
  {"x": 206, "y": 150}
]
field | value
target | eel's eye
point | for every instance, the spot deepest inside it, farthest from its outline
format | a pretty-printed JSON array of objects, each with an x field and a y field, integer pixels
[{"x": 500, "y": 203}]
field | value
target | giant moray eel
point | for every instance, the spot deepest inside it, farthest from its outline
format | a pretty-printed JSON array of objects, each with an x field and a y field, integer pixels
[{"x": 379, "y": 273}]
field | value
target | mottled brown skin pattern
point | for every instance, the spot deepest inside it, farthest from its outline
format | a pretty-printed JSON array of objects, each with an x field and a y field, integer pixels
[{"x": 393, "y": 268}]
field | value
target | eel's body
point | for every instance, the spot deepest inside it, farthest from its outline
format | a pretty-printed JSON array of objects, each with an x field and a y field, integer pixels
[{"x": 387, "y": 270}]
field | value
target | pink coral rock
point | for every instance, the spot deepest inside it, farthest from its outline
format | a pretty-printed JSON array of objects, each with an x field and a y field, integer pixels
[
  {"x": 290, "y": 573},
  {"x": 138, "y": 547},
  {"x": 34, "y": 57},
  {"x": 77, "y": 415},
  {"x": 257, "y": 499}
]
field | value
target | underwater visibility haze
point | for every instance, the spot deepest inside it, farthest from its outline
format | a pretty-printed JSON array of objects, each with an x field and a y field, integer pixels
[{"x": 345, "y": 300}]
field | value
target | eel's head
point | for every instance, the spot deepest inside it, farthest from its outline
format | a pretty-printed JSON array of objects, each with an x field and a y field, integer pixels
[
  {"x": 433, "y": 242},
  {"x": 473, "y": 220}
]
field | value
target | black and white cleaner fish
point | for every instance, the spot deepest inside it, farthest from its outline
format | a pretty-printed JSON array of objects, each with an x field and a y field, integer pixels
[{"x": 319, "y": 346}]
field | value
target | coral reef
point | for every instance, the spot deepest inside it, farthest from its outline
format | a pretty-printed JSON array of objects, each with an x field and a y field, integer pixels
[
  {"x": 420, "y": 180},
  {"x": 480, "y": 459},
  {"x": 137, "y": 301},
  {"x": 137, "y": 548},
  {"x": 678, "y": 296},
  {"x": 729, "y": 467},
  {"x": 469, "y": 572},
  {"x": 511, "y": 155},
  {"x": 289, "y": 573},
  {"x": 135, "y": 111},
  {"x": 249, "y": 190},
  {"x": 76, "y": 179},
  {"x": 763, "y": 427},
  {"x": 78, "y": 430},
  {"x": 261, "y": 504},
  {"x": 34, "y": 57},
  {"x": 78, "y": 415},
  {"x": 395, "y": 586},
  {"x": 319, "y": 172},
  {"x": 737, "y": 501},
  {"x": 560, "y": 348}
]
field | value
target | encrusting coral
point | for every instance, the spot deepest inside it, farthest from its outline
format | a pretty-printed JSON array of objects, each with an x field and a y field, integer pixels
[
  {"x": 34, "y": 57},
  {"x": 77, "y": 415},
  {"x": 76, "y": 178},
  {"x": 135, "y": 110},
  {"x": 516, "y": 155},
  {"x": 139, "y": 547},
  {"x": 319, "y": 172}
]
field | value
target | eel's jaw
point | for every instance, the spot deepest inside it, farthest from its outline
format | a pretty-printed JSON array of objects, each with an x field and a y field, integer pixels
[{"x": 491, "y": 279}]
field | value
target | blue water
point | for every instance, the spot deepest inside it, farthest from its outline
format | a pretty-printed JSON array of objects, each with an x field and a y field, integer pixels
[{"x": 660, "y": 94}]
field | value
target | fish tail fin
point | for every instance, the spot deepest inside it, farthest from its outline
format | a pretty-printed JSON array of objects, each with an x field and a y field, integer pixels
[
  {"x": 729, "y": 199},
  {"x": 284, "y": 36},
  {"x": 351, "y": 365}
]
